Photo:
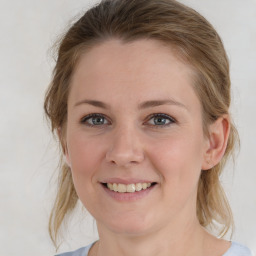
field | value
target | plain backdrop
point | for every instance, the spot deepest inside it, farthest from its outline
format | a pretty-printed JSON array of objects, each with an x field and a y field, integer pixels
[{"x": 28, "y": 154}]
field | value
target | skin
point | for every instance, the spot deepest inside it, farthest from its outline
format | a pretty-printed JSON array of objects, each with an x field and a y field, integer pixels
[{"x": 129, "y": 144}]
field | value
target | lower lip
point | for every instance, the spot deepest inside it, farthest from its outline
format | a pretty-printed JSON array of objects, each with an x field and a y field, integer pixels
[{"x": 128, "y": 196}]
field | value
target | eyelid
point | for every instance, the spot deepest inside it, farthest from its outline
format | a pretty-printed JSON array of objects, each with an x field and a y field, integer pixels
[
  {"x": 93, "y": 115},
  {"x": 162, "y": 115},
  {"x": 154, "y": 115},
  {"x": 172, "y": 120}
]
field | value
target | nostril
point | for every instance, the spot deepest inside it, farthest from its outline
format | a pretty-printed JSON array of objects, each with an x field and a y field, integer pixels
[{"x": 124, "y": 155}]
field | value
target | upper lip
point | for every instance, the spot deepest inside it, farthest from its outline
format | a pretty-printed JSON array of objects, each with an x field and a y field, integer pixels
[{"x": 126, "y": 181}]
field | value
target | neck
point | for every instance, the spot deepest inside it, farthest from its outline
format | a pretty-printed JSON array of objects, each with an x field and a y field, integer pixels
[{"x": 173, "y": 240}]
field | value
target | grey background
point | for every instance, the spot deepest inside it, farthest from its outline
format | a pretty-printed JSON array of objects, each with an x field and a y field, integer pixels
[{"x": 28, "y": 154}]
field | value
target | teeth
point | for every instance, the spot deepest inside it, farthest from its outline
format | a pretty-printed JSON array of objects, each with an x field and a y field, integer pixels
[
  {"x": 121, "y": 188},
  {"x": 115, "y": 187},
  {"x": 144, "y": 185},
  {"x": 110, "y": 186},
  {"x": 138, "y": 187},
  {"x": 130, "y": 188}
]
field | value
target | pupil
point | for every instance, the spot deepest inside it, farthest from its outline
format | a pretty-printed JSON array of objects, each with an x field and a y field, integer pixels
[
  {"x": 160, "y": 120},
  {"x": 98, "y": 120}
]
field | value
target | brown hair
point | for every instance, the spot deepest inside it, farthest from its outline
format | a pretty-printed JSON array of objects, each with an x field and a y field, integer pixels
[{"x": 196, "y": 42}]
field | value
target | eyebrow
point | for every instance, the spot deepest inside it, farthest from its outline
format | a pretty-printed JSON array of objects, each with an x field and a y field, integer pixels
[
  {"x": 95, "y": 103},
  {"x": 143, "y": 105},
  {"x": 155, "y": 103}
]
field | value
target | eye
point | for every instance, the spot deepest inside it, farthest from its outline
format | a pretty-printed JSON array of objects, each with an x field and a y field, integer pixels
[
  {"x": 161, "y": 120},
  {"x": 94, "y": 120}
]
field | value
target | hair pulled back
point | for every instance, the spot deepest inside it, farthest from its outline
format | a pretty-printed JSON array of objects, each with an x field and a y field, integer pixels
[{"x": 195, "y": 41}]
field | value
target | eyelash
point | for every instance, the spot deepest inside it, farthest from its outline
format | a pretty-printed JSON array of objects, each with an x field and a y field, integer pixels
[{"x": 156, "y": 115}]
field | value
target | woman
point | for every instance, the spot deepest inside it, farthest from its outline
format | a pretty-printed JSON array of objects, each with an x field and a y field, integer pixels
[{"x": 140, "y": 101}]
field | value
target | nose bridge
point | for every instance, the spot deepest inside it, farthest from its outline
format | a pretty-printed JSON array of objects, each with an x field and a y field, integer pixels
[{"x": 125, "y": 146}]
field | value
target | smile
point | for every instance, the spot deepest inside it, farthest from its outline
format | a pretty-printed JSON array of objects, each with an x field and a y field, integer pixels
[{"x": 129, "y": 188}]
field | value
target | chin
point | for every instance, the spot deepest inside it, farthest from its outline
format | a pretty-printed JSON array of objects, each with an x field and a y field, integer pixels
[{"x": 130, "y": 226}]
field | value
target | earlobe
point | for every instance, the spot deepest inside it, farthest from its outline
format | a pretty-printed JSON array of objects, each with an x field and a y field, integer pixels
[
  {"x": 217, "y": 142},
  {"x": 64, "y": 147},
  {"x": 67, "y": 159},
  {"x": 66, "y": 154}
]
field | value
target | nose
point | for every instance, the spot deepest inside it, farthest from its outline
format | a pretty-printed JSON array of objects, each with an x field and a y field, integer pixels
[{"x": 125, "y": 148}]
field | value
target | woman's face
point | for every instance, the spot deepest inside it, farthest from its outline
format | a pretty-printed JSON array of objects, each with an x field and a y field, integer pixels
[{"x": 134, "y": 120}]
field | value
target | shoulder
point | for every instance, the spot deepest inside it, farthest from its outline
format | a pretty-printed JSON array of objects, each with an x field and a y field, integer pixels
[
  {"x": 237, "y": 249},
  {"x": 80, "y": 252}
]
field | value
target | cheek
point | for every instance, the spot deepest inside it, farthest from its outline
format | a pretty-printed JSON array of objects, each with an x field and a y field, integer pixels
[
  {"x": 85, "y": 157},
  {"x": 180, "y": 160}
]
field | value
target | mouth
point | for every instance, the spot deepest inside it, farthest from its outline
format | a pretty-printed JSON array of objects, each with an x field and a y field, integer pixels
[{"x": 128, "y": 188}]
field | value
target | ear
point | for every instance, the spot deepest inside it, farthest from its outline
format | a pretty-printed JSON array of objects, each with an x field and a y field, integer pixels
[
  {"x": 216, "y": 142},
  {"x": 64, "y": 146}
]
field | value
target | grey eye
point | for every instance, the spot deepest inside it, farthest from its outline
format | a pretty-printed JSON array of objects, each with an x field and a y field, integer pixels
[
  {"x": 161, "y": 120},
  {"x": 94, "y": 120},
  {"x": 97, "y": 120}
]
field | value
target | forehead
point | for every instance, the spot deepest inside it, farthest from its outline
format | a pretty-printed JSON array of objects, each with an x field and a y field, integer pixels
[{"x": 143, "y": 68}]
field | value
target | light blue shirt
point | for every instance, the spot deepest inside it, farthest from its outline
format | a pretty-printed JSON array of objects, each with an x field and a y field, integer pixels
[{"x": 236, "y": 249}]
